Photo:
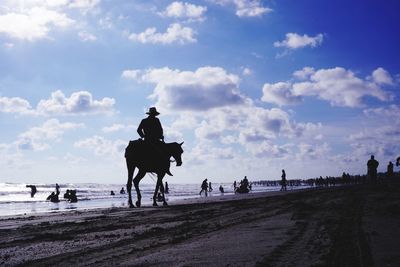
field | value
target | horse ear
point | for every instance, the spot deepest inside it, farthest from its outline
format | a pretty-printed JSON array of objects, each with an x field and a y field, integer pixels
[{"x": 182, "y": 143}]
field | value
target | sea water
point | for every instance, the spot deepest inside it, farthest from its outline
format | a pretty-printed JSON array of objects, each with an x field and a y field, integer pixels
[{"x": 15, "y": 198}]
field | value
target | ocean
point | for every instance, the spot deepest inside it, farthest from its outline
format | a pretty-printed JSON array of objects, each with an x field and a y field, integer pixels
[{"x": 15, "y": 198}]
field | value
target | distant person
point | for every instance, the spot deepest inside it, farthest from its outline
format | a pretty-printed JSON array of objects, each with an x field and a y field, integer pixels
[
  {"x": 234, "y": 186},
  {"x": 73, "y": 198},
  {"x": 160, "y": 197},
  {"x": 112, "y": 193},
  {"x": 221, "y": 189},
  {"x": 122, "y": 191},
  {"x": 53, "y": 197},
  {"x": 390, "y": 170},
  {"x": 283, "y": 181},
  {"x": 67, "y": 194},
  {"x": 245, "y": 182},
  {"x": 166, "y": 189},
  {"x": 33, "y": 190},
  {"x": 210, "y": 189},
  {"x": 204, "y": 187},
  {"x": 57, "y": 189},
  {"x": 372, "y": 165}
]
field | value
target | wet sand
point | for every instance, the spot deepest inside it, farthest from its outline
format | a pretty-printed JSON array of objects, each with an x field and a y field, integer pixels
[{"x": 343, "y": 226}]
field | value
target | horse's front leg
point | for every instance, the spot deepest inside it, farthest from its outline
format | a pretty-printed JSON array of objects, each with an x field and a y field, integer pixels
[
  {"x": 136, "y": 181},
  {"x": 163, "y": 192},
  {"x": 131, "y": 170},
  {"x": 155, "y": 193}
]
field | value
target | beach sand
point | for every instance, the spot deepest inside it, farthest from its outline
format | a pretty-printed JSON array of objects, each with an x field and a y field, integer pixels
[{"x": 343, "y": 226}]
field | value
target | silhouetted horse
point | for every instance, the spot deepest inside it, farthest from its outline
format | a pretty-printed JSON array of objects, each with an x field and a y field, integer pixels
[{"x": 148, "y": 157}]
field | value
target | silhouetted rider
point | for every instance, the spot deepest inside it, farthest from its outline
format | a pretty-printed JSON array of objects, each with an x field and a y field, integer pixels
[{"x": 150, "y": 128}]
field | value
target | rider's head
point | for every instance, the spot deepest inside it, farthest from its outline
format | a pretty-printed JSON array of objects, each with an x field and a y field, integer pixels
[{"x": 153, "y": 112}]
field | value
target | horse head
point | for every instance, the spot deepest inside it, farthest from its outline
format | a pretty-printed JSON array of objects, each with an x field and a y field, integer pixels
[{"x": 176, "y": 153}]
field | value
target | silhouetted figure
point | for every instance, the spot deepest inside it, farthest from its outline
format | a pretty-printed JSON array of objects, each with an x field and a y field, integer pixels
[
  {"x": 33, "y": 190},
  {"x": 67, "y": 195},
  {"x": 166, "y": 189},
  {"x": 243, "y": 186},
  {"x": 160, "y": 197},
  {"x": 150, "y": 128},
  {"x": 283, "y": 181},
  {"x": 210, "y": 189},
  {"x": 73, "y": 198},
  {"x": 138, "y": 155},
  {"x": 122, "y": 191},
  {"x": 204, "y": 187},
  {"x": 57, "y": 189},
  {"x": 221, "y": 189},
  {"x": 234, "y": 186},
  {"x": 53, "y": 197},
  {"x": 390, "y": 170},
  {"x": 112, "y": 193},
  {"x": 372, "y": 165}
]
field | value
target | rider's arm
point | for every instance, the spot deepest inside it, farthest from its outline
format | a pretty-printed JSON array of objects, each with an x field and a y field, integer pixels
[{"x": 140, "y": 129}]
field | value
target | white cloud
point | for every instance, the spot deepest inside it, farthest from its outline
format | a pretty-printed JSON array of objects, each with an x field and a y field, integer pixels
[
  {"x": 36, "y": 138},
  {"x": 280, "y": 93},
  {"x": 381, "y": 76},
  {"x": 102, "y": 146},
  {"x": 81, "y": 102},
  {"x": 184, "y": 10},
  {"x": 313, "y": 151},
  {"x": 246, "y": 8},
  {"x": 117, "y": 127},
  {"x": 339, "y": 86},
  {"x": 33, "y": 24},
  {"x": 247, "y": 71},
  {"x": 15, "y": 105},
  {"x": 87, "y": 37},
  {"x": 203, "y": 89},
  {"x": 83, "y": 4},
  {"x": 174, "y": 34},
  {"x": 295, "y": 41}
]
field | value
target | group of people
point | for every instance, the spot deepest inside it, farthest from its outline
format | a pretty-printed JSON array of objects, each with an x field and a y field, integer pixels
[
  {"x": 244, "y": 186},
  {"x": 70, "y": 195}
]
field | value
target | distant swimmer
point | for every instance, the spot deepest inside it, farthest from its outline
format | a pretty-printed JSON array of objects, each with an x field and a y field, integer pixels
[
  {"x": 33, "y": 190},
  {"x": 122, "y": 191}
]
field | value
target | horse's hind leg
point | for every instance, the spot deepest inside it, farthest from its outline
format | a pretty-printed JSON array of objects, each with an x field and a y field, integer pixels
[
  {"x": 155, "y": 193},
  {"x": 136, "y": 181},
  {"x": 163, "y": 193},
  {"x": 131, "y": 170}
]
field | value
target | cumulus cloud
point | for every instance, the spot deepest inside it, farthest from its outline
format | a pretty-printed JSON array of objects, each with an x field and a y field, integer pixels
[
  {"x": 174, "y": 34},
  {"x": 81, "y": 102},
  {"x": 203, "y": 89},
  {"x": 185, "y": 10},
  {"x": 36, "y": 138},
  {"x": 117, "y": 127},
  {"x": 15, "y": 105},
  {"x": 246, "y": 8},
  {"x": 33, "y": 24},
  {"x": 381, "y": 76},
  {"x": 339, "y": 86},
  {"x": 280, "y": 93},
  {"x": 102, "y": 146},
  {"x": 296, "y": 41}
]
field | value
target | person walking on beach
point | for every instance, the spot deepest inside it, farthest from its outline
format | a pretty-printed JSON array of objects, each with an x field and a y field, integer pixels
[
  {"x": 166, "y": 189},
  {"x": 372, "y": 165},
  {"x": 57, "y": 189},
  {"x": 204, "y": 187},
  {"x": 390, "y": 170},
  {"x": 283, "y": 181},
  {"x": 33, "y": 189},
  {"x": 221, "y": 189},
  {"x": 210, "y": 189},
  {"x": 234, "y": 186}
]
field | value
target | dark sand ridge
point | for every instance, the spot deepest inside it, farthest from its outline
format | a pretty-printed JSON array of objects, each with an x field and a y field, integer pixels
[{"x": 344, "y": 226}]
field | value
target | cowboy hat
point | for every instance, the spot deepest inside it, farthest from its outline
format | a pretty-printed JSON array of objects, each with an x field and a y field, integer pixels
[{"x": 153, "y": 111}]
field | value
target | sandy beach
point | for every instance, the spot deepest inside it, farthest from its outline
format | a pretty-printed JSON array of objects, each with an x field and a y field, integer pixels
[{"x": 342, "y": 226}]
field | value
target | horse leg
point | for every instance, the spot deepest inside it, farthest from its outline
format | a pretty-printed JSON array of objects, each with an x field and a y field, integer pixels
[
  {"x": 131, "y": 170},
  {"x": 160, "y": 177},
  {"x": 155, "y": 193},
  {"x": 136, "y": 181}
]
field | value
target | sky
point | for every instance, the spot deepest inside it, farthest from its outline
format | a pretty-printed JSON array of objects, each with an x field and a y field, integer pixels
[{"x": 251, "y": 87}]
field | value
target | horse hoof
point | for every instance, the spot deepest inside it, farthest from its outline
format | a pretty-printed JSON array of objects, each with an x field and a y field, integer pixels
[
  {"x": 165, "y": 204},
  {"x": 138, "y": 204},
  {"x": 155, "y": 204},
  {"x": 131, "y": 206}
]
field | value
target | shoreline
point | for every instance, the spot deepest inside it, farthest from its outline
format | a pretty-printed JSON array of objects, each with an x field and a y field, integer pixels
[{"x": 353, "y": 226}]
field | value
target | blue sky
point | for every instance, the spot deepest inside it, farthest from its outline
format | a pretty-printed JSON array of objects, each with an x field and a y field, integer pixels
[{"x": 252, "y": 87}]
